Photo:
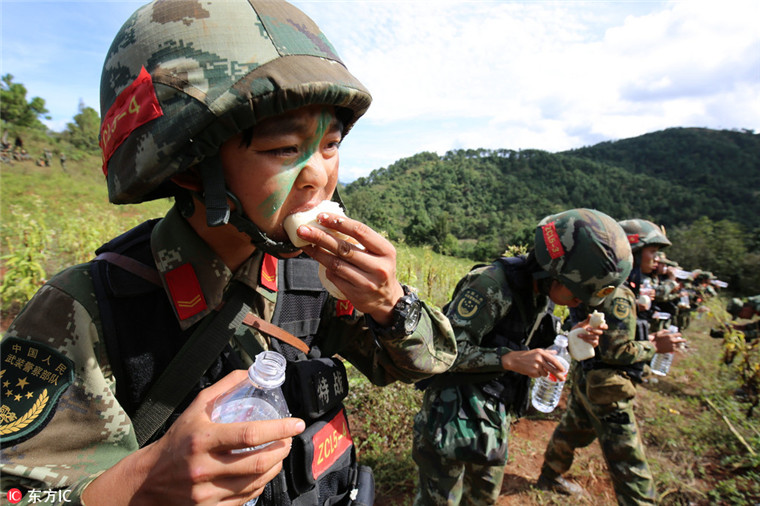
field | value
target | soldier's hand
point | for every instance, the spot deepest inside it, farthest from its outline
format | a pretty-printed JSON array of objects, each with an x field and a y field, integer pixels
[
  {"x": 590, "y": 334},
  {"x": 534, "y": 363},
  {"x": 666, "y": 341},
  {"x": 365, "y": 274},
  {"x": 192, "y": 463}
]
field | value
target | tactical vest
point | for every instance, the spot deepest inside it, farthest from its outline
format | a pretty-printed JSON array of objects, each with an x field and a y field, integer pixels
[
  {"x": 321, "y": 467},
  {"x": 512, "y": 331},
  {"x": 634, "y": 371}
]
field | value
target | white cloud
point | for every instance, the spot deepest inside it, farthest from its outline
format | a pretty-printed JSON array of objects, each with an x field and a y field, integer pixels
[
  {"x": 447, "y": 75},
  {"x": 551, "y": 75}
]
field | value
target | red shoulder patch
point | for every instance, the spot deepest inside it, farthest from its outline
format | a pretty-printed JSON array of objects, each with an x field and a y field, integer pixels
[
  {"x": 185, "y": 291},
  {"x": 344, "y": 308},
  {"x": 269, "y": 272}
]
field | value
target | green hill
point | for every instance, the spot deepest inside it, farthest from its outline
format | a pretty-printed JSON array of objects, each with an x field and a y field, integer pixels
[
  {"x": 719, "y": 170},
  {"x": 475, "y": 202}
]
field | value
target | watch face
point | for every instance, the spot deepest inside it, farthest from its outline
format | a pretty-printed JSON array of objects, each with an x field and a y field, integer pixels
[
  {"x": 413, "y": 314},
  {"x": 412, "y": 320}
]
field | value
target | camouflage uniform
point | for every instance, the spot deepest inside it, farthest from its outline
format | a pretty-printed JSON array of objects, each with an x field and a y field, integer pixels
[
  {"x": 461, "y": 432},
  {"x": 459, "y": 424},
  {"x": 98, "y": 432},
  {"x": 180, "y": 79},
  {"x": 600, "y": 405}
]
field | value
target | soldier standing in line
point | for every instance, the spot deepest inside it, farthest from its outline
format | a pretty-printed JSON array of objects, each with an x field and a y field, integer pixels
[
  {"x": 668, "y": 293},
  {"x": 600, "y": 404},
  {"x": 501, "y": 315},
  {"x": 237, "y": 109},
  {"x": 744, "y": 309}
]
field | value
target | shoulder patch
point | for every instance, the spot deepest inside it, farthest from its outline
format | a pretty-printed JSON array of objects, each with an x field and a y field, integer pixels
[
  {"x": 468, "y": 304},
  {"x": 186, "y": 291},
  {"x": 621, "y": 308},
  {"x": 602, "y": 293},
  {"x": 33, "y": 376}
]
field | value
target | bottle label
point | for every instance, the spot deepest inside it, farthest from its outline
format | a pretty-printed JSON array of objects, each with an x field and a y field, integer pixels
[{"x": 330, "y": 443}]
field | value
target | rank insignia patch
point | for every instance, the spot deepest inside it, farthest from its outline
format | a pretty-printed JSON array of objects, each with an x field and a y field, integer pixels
[
  {"x": 469, "y": 304},
  {"x": 621, "y": 308},
  {"x": 33, "y": 376},
  {"x": 602, "y": 293}
]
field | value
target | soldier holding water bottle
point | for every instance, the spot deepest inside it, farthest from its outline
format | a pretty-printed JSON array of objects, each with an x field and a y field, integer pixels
[
  {"x": 601, "y": 401},
  {"x": 501, "y": 316}
]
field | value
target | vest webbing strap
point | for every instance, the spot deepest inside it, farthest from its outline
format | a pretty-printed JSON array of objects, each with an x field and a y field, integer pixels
[
  {"x": 129, "y": 264},
  {"x": 274, "y": 331},
  {"x": 195, "y": 357}
]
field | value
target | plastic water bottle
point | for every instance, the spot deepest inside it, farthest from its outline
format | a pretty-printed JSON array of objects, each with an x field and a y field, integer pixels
[
  {"x": 660, "y": 364},
  {"x": 547, "y": 389},
  {"x": 258, "y": 397}
]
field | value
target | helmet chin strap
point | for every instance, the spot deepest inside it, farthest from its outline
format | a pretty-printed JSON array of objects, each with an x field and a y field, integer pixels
[
  {"x": 215, "y": 195},
  {"x": 258, "y": 238}
]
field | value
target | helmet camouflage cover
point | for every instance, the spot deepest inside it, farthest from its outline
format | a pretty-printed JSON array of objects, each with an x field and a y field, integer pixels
[
  {"x": 643, "y": 233},
  {"x": 183, "y": 76},
  {"x": 586, "y": 251}
]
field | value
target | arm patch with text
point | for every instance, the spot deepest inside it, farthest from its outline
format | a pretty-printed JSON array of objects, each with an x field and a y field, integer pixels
[
  {"x": 33, "y": 376},
  {"x": 621, "y": 308},
  {"x": 467, "y": 305}
]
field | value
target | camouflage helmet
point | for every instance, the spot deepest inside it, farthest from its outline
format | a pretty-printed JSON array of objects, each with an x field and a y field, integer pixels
[
  {"x": 183, "y": 76},
  {"x": 642, "y": 233},
  {"x": 586, "y": 251}
]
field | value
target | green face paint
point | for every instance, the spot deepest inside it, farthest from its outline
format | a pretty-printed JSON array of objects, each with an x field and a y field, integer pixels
[{"x": 289, "y": 173}]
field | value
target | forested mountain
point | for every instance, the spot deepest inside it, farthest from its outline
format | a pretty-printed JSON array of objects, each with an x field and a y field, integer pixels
[
  {"x": 474, "y": 202},
  {"x": 719, "y": 168}
]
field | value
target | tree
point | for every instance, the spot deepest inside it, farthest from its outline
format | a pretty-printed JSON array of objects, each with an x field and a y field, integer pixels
[
  {"x": 15, "y": 109},
  {"x": 718, "y": 247},
  {"x": 420, "y": 228},
  {"x": 83, "y": 132}
]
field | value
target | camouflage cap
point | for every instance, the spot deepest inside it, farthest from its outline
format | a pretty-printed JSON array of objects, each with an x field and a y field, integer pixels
[
  {"x": 586, "y": 251},
  {"x": 643, "y": 233},
  {"x": 183, "y": 76}
]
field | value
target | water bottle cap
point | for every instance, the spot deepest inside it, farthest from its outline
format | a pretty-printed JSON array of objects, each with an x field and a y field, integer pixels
[
  {"x": 268, "y": 369},
  {"x": 561, "y": 340}
]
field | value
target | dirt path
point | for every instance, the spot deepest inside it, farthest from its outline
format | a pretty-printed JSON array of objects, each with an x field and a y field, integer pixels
[{"x": 527, "y": 442}]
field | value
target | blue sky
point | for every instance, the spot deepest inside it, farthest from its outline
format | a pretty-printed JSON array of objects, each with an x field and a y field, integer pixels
[{"x": 478, "y": 74}]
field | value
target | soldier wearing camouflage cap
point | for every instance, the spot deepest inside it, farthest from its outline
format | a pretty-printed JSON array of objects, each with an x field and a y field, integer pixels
[
  {"x": 502, "y": 316},
  {"x": 600, "y": 404},
  {"x": 237, "y": 109},
  {"x": 647, "y": 239},
  {"x": 670, "y": 296}
]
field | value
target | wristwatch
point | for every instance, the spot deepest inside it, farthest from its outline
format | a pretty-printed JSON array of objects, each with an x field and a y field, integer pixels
[{"x": 406, "y": 316}]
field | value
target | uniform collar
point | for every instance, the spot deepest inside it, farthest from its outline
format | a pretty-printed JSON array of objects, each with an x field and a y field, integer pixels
[{"x": 193, "y": 276}]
